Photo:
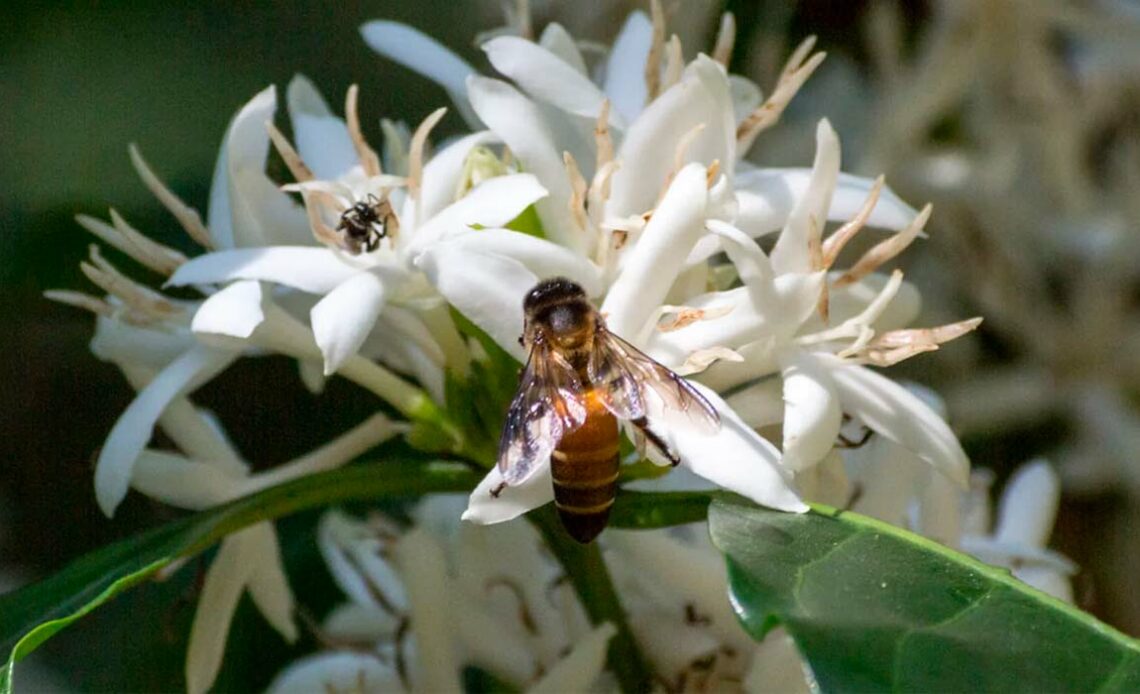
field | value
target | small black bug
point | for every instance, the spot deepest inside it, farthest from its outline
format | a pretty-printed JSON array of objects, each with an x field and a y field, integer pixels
[{"x": 365, "y": 224}]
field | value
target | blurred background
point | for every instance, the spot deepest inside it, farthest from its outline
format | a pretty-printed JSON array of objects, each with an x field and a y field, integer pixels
[{"x": 1018, "y": 119}]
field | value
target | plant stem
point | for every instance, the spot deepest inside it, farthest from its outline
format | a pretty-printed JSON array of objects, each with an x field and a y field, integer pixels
[{"x": 591, "y": 580}]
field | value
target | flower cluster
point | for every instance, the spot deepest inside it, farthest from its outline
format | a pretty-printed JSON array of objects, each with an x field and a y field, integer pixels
[{"x": 403, "y": 271}]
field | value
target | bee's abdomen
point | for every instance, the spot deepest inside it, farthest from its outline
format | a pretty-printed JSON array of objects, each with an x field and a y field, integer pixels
[{"x": 585, "y": 471}]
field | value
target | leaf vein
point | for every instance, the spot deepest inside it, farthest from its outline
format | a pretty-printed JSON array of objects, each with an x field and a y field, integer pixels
[{"x": 900, "y": 647}]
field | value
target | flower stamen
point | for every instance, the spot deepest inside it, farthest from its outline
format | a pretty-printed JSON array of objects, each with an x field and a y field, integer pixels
[
  {"x": 301, "y": 172},
  {"x": 795, "y": 73},
  {"x": 368, "y": 158},
  {"x": 725, "y": 39},
  {"x": 186, "y": 215},
  {"x": 674, "y": 62},
  {"x": 602, "y": 140},
  {"x": 80, "y": 300},
  {"x": 416, "y": 154},
  {"x": 656, "y": 48},
  {"x": 577, "y": 202},
  {"x": 885, "y": 250},
  {"x": 839, "y": 238},
  {"x": 146, "y": 304}
]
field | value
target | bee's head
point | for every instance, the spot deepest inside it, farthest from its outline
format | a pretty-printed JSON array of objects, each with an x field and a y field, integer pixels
[
  {"x": 560, "y": 309},
  {"x": 552, "y": 291}
]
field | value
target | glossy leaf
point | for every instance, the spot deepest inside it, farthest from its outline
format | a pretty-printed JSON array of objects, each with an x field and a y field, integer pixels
[{"x": 875, "y": 608}]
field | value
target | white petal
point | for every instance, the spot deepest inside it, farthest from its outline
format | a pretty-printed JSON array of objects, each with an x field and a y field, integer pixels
[
  {"x": 443, "y": 173},
  {"x": 1046, "y": 579},
  {"x": 337, "y": 671},
  {"x": 672, "y": 645},
  {"x": 484, "y": 508},
  {"x": 424, "y": 55},
  {"x": 268, "y": 587},
  {"x": 489, "y": 553},
  {"x": 625, "y": 66},
  {"x": 888, "y": 475},
  {"x": 336, "y": 532},
  {"x": 1028, "y": 505},
  {"x": 684, "y": 572},
  {"x": 492, "y": 203},
  {"x": 766, "y": 198},
  {"x": 360, "y": 623},
  {"x": 424, "y": 568},
  {"x": 225, "y": 580},
  {"x": 545, "y": 76},
  {"x": 521, "y": 125},
  {"x": 543, "y": 258},
  {"x": 1012, "y": 554},
  {"x": 778, "y": 667},
  {"x": 791, "y": 253},
  {"x": 175, "y": 480},
  {"x": 736, "y": 457},
  {"x": 133, "y": 429},
  {"x": 246, "y": 207},
  {"x": 896, "y": 413},
  {"x": 582, "y": 666},
  {"x": 312, "y": 376},
  {"x": 308, "y": 268},
  {"x": 380, "y": 573},
  {"x": 236, "y": 311},
  {"x": 345, "y": 316},
  {"x": 647, "y": 153},
  {"x": 812, "y": 416},
  {"x": 322, "y": 139},
  {"x": 940, "y": 513},
  {"x": 558, "y": 41},
  {"x": 655, "y": 261},
  {"x": 487, "y": 289},
  {"x": 509, "y": 655}
]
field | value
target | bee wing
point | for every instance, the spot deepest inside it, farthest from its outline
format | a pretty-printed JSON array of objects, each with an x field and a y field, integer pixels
[
  {"x": 547, "y": 405},
  {"x": 624, "y": 373}
]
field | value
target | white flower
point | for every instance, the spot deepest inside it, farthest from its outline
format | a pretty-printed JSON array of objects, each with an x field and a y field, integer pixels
[
  {"x": 387, "y": 286},
  {"x": 778, "y": 323},
  {"x": 1018, "y": 540}
]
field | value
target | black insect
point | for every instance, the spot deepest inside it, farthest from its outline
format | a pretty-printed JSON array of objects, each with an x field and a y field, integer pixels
[{"x": 365, "y": 224}]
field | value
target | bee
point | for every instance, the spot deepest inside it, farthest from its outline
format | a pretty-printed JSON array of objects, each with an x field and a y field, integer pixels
[
  {"x": 579, "y": 380},
  {"x": 365, "y": 224}
]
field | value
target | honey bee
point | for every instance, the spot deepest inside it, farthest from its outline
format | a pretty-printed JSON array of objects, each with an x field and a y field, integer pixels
[
  {"x": 579, "y": 381},
  {"x": 365, "y": 224}
]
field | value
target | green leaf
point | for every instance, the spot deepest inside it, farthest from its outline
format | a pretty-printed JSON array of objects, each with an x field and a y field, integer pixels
[
  {"x": 873, "y": 607},
  {"x": 31, "y": 615},
  {"x": 649, "y": 510}
]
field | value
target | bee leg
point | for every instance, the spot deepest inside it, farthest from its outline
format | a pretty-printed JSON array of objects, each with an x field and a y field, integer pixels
[
  {"x": 498, "y": 489},
  {"x": 642, "y": 425}
]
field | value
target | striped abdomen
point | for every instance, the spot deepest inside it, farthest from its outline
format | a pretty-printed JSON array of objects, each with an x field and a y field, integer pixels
[{"x": 585, "y": 471}]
